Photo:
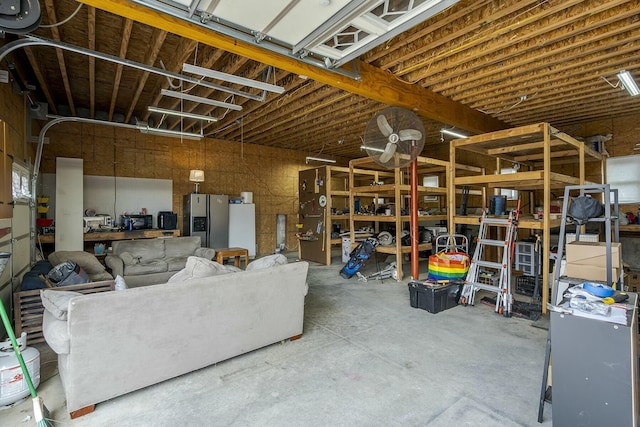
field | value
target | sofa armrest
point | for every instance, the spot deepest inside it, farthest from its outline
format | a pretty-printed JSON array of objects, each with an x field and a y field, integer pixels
[
  {"x": 207, "y": 253},
  {"x": 116, "y": 264}
]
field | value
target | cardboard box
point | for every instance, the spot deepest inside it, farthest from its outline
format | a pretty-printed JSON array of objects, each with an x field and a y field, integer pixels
[
  {"x": 632, "y": 280},
  {"x": 590, "y": 272},
  {"x": 594, "y": 253}
]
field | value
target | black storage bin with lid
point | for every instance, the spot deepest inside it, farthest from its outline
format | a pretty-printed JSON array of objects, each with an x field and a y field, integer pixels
[{"x": 434, "y": 297}]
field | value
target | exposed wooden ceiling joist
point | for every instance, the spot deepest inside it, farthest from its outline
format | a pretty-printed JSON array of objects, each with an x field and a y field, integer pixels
[{"x": 375, "y": 83}]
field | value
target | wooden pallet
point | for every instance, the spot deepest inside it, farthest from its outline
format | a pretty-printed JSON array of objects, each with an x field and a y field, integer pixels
[{"x": 28, "y": 307}]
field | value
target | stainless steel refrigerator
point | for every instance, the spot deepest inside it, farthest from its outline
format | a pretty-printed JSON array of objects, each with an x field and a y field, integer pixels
[{"x": 207, "y": 216}]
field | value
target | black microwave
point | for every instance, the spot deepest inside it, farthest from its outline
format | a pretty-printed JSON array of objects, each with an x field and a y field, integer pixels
[{"x": 136, "y": 222}]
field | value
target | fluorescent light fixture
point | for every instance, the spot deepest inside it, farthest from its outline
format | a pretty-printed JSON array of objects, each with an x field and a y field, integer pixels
[
  {"x": 218, "y": 75},
  {"x": 452, "y": 133},
  {"x": 629, "y": 84},
  {"x": 144, "y": 128},
  {"x": 199, "y": 99},
  {"x": 318, "y": 159},
  {"x": 182, "y": 114}
]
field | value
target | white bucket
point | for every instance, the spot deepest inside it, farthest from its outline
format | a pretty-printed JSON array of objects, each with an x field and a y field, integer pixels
[{"x": 246, "y": 196}]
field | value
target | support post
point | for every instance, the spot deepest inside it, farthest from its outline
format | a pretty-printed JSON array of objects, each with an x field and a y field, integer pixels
[{"x": 415, "y": 268}]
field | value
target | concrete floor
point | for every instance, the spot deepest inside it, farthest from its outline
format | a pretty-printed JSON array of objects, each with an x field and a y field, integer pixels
[{"x": 367, "y": 358}]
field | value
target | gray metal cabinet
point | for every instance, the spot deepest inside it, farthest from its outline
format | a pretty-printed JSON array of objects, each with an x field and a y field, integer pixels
[{"x": 595, "y": 370}]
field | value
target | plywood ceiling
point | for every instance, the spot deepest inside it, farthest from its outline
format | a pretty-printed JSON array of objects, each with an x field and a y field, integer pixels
[{"x": 516, "y": 62}]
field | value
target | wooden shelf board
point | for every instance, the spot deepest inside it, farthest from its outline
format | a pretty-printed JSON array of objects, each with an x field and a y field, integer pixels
[
  {"x": 115, "y": 235},
  {"x": 405, "y": 249},
  {"x": 530, "y": 224},
  {"x": 531, "y": 180},
  {"x": 336, "y": 216}
]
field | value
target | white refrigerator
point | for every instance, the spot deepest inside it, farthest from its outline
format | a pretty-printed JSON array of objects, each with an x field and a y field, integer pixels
[{"x": 242, "y": 227}]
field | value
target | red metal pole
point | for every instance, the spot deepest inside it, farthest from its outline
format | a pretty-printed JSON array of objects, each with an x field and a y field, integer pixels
[{"x": 415, "y": 270}]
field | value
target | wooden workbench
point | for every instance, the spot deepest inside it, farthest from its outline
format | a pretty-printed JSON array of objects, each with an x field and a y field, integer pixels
[{"x": 104, "y": 236}]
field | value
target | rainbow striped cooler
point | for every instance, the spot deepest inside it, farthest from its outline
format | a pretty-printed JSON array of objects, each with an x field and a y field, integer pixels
[{"x": 448, "y": 265}]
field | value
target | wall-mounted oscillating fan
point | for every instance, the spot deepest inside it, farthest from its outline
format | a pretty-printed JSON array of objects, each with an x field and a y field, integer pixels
[
  {"x": 394, "y": 137},
  {"x": 19, "y": 16}
]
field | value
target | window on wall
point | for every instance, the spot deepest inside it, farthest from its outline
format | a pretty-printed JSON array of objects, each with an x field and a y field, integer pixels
[
  {"x": 430, "y": 181},
  {"x": 20, "y": 183},
  {"x": 511, "y": 194},
  {"x": 623, "y": 173}
]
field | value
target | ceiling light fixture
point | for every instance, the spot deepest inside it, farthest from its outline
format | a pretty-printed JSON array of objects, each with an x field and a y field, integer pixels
[
  {"x": 218, "y": 75},
  {"x": 144, "y": 128},
  {"x": 182, "y": 114},
  {"x": 629, "y": 83},
  {"x": 318, "y": 159},
  {"x": 199, "y": 99},
  {"x": 452, "y": 133}
]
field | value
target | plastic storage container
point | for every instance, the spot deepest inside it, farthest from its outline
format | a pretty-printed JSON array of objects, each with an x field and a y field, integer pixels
[{"x": 434, "y": 298}]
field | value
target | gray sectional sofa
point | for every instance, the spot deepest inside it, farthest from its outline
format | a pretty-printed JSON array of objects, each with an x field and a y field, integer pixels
[
  {"x": 112, "y": 343},
  {"x": 149, "y": 261}
]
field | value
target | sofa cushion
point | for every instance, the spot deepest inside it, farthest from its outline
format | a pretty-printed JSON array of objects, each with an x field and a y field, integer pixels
[
  {"x": 178, "y": 247},
  {"x": 57, "y": 302},
  {"x": 129, "y": 259},
  {"x": 198, "y": 267},
  {"x": 176, "y": 263},
  {"x": 267, "y": 262},
  {"x": 145, "y": 249},
  {"x": 153, "y": 266},
  {"x": 87, "y": 261},
  {"x": 55, "y": 332}
]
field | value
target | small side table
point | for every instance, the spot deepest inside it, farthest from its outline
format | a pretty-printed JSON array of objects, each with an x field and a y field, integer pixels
[{"x": 235, "y": 253}]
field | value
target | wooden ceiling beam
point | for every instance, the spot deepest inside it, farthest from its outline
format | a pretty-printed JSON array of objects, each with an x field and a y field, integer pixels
[
  {"x": 466, "y": 34},
  {"x": 41, "y": 80},
  {"x": 506, "y": 89},
  {"x": 127, "y": 26},
  {"x": 51, "y": 13},
  {"x": 494, "y": 43},
  {"x": 201, "y": 91},
  {"x": 271, "y": 113},
  {"x": 374, "y": 83},
  {"x": 91, "y": 39},
  {"x": 552, "y": 79},
  {"x": 157, "y": 39},
  {"x": 187, "y": 48},
  {"x": 231, "y": 67},
  {"x": 513, "y": 63},
  {"x": 292, "y": 85}
]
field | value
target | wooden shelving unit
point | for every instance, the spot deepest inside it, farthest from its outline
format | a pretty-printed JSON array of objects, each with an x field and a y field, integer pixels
[
  {"x": 334, "y": 188},
  {"x": 364, "y": 174},
  {"x": 540, "y": 150}
]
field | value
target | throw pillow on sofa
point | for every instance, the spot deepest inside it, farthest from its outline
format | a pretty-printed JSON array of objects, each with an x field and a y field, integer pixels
[
  {"x": 57, "y": 302},
  {"x": 87, "y": 261},
  {"x": 129, "y": 259},
  {"x": 267, "y": 262},
  {"x": 199, "y": 267}
]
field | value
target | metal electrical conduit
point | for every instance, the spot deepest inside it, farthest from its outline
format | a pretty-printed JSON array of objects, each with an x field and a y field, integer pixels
[
  {"x": 31, "y": 40},
  {"x": 36, "y": 166}
]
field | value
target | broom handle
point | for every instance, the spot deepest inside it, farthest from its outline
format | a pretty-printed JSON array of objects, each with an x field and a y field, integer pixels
[{"x": 16, "y": 349}]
